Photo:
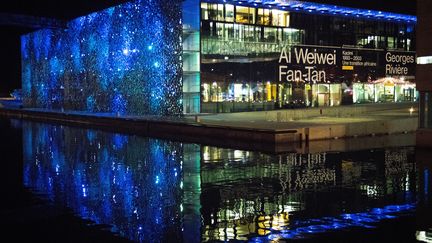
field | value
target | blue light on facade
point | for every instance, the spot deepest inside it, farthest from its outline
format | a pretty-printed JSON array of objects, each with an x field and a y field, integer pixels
[
  {"x": 318, "y": 8},
  {"x": 96, "y": 64}
]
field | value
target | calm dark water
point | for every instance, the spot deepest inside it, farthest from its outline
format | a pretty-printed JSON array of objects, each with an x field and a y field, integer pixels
[{"x": 152, "y": 190}]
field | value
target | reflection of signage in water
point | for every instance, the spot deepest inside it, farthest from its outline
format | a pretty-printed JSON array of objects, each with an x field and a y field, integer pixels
[
  {"x": 309, "y": 160},
  {"x": 301, "y": 64},
  {"x": 309, "y": 177},
  {"x": 310, "y": 170},
  {"x": 396, "y": 162}
]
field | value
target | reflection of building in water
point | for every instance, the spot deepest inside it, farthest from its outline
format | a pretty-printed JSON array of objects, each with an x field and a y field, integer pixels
[
  {"x": 294, "y": 171},
  {"x": 398, "y": 169},
  {"x": 253, "y": 193},
  {"x": 396, "y": 161},
  {"x": 248, "y": 193},
  {"x": 191, "y": 192},
  {"x": 129, "y": 182},
  {"x": 424, "y": 167},
  {"x": 242, "y": 217}
]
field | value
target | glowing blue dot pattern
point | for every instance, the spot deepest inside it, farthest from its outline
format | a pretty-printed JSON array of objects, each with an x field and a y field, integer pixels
[
  {"x": 121, "y": 60},
  {"x": 129, "y": 182}
]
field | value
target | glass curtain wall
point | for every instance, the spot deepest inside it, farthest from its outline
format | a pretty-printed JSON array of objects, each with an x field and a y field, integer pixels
[
  {"x": 384, "y": 92},
  {"x": 191, "y": 56},
  {"x": 241, "y": 46},
  {"x": 236, "y": 43}
]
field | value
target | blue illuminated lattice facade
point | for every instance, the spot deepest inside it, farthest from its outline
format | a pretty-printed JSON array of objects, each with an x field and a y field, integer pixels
[{"x": 125, "y": 59}]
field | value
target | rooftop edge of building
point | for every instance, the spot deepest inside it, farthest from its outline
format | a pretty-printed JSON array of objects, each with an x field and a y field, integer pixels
[{"x": 323, "y": 9}]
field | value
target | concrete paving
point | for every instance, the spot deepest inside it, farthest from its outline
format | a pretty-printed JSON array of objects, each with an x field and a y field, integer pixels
[{"x": 344, "y": 115}]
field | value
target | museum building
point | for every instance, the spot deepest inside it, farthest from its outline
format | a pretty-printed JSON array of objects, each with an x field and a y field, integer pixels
[{"x": 173, "y": 57}]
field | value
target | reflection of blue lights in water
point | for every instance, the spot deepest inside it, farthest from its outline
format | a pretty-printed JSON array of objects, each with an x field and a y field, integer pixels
[
  {"x": 107, "y": 184},
  {"x": 120, "y": 140},
  {"x": 303, "y": 228}
]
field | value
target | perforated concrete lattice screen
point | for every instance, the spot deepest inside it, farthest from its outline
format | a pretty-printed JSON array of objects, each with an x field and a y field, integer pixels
[{"x": 124, "y": 60}]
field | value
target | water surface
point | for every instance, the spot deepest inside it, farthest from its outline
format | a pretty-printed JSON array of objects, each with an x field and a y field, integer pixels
[{"x": 152, "y": 190}]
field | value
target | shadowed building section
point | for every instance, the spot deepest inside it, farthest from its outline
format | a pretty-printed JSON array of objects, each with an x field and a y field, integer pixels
[{"x": 424, "y": 72}]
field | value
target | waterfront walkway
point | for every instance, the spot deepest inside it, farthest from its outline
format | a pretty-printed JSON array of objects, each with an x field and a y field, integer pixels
[
  {"x": 311, "y": 117},
  {"x": 262, "y": 129}
]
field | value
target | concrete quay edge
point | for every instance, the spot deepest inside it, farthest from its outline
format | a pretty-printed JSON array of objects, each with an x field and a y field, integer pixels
[
  {"x": 175, "y": 130},
  {"x": 268, "y": 140}
]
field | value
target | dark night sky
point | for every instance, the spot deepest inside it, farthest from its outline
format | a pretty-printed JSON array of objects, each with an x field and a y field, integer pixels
[
  {"x": 10, "y": 67},
  {"x": 10, "y": 53}
]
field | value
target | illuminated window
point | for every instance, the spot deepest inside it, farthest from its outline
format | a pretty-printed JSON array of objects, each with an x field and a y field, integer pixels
[
  {"x": 390, "y": 42},
  {"x": 238, "y": 32},
  {"x": 257, "y": 33},
  {"x": 280, "y": 18},
  {"x": 291, "y": 35},
  {"x": 205, "y": 92},
  {"x": 204, "y": 11},
  {"x": 245, "y": 15},
  {"x": 213, "y": 92},
  {"x": 229, "y": 13},
  {"x": 249, "y": 33},
  {"x": 220, "y": 14},
  {"x": 212, "y": 11},
  {"x": 270, "y": 34},
  {"x": 263, "y": 16},
  {"x": 409, "y": 47},
  {"x": 220, "y": 30}
]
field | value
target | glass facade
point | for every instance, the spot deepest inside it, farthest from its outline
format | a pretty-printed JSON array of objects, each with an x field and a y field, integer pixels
[
  {"x": 257, "y": 57},
  {"x": 191, "y": 56},
  {"x": 384, "y": 90}
]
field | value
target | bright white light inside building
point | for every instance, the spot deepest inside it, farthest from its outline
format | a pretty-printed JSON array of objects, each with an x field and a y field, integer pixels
[{"x": 424, "y": 60}]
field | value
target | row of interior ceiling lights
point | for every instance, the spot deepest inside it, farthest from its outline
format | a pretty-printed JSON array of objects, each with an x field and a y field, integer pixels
[{"x": 324, "y": 8}]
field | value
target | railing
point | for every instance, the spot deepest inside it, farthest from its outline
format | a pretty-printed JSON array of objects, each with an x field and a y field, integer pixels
[{"x": 239, "y": 48}]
